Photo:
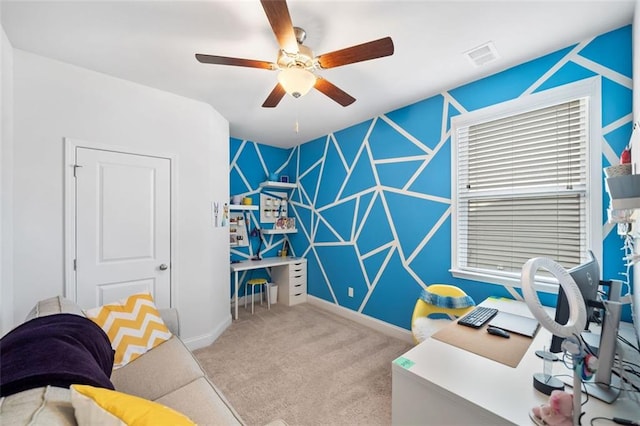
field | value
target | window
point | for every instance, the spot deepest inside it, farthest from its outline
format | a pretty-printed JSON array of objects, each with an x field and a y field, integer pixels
[{"x": 526, "y": 184}]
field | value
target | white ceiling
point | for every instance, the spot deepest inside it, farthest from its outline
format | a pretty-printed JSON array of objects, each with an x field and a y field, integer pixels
[{"x": 154, "y": 42}]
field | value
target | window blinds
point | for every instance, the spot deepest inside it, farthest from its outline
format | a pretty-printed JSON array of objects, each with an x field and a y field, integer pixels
[{"x": 521, "y": 188}]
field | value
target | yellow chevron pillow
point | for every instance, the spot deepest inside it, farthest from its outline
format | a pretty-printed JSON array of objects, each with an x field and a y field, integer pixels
[
  {"x": 99, "y": 406},
  {"x": 133, "y": 325}
]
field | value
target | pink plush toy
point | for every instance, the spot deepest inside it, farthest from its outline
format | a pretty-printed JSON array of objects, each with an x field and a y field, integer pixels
[{"x": 558, "y": 411}]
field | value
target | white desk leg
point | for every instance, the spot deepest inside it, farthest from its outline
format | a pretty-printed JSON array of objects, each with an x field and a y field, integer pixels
[{"x": 236, "y": 292}]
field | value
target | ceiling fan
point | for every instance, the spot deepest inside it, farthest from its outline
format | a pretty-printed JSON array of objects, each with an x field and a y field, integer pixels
[{"x": 297, "y": 63}]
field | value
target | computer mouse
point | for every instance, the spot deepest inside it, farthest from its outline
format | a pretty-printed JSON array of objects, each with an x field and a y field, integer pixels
[{"x": 498, "y": 332}]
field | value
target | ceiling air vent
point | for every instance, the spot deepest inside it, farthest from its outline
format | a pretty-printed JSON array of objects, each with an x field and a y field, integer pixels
[{"x": 482, "y": 54}]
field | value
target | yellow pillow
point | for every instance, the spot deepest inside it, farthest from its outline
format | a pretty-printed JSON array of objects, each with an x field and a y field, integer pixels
[
  {"x": 134, "y": 326},
  {"x": 99, "y": 406}
]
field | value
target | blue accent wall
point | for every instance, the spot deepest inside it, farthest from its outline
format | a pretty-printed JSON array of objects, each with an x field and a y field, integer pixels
[{"x": 373, "y": 202}]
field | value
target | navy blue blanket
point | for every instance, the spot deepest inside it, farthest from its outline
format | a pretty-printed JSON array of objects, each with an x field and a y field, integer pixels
[{"x": 57, "y": 350}]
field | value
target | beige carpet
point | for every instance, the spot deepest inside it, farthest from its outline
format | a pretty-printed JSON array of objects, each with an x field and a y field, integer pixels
[{"x": 303, "y": 365}]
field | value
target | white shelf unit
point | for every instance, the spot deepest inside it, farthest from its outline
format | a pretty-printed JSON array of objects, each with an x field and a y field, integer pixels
[
  {"x": 279, "y": 231},
  {"x": 243, "y": 207},
  {"x": 238, "y": 236},
  {"x": 274, "y": 205},
  {"x": 278, "y": 185},
  {"x": 292, "y": 282}
]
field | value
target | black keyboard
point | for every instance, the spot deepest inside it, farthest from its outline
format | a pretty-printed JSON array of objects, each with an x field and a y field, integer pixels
[{"x": 478, "y": 317}]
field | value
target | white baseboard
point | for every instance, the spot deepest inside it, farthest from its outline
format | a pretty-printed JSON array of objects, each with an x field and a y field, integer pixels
[
  {"x": 256, "y": 300},
  {"x": 204, "y": 340},
  {"x": 376, "y": 324}
]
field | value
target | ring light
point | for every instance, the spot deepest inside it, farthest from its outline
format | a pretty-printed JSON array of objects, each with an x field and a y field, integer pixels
[{"x": 577, "y": 311}]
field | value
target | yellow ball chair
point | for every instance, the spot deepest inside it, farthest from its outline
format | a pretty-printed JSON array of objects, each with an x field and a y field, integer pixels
[{"x": 422, "y": 326}]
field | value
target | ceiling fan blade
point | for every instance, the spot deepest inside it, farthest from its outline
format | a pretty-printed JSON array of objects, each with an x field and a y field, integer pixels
[
  {"x": 224, "y": 60},
  {"x": 280, "y": 20},
  {"x": 361, "y": 52},
  {"x": 274, "y": 97},
  {"x": 334, "y": 92}
]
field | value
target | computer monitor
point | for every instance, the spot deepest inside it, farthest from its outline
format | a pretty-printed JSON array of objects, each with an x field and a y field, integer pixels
[
  {"x": 635, "y": 300},
  {"x": 587, "y": 277}
]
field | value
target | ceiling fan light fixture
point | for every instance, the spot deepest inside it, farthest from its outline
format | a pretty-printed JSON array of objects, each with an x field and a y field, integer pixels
[{"x": 296, "y": 81}]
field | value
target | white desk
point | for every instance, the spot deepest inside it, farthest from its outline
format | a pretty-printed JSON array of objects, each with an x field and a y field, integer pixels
[
  {"x": 441, "y": 384},
  {"x": 246, "y": 265}
]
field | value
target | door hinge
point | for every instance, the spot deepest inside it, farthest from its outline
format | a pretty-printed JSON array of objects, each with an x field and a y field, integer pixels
[
  {"x": 75, "y": 264},
  {"x": 75, "y": 167}
]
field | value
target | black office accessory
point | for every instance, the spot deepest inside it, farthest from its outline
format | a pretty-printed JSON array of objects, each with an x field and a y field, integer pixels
[{"x": 478, "y": 317}]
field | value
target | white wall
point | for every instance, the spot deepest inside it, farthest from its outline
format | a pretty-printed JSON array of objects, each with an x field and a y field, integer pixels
[
  {"x": 635, "y": 158},
  {"x": 635, "y": 151},
  {"x": 6, "y": 168},
  {"x": 54, "y": 100}
]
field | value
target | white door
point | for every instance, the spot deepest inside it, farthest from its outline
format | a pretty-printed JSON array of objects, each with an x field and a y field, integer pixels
[{"x": 123, "y": 226}]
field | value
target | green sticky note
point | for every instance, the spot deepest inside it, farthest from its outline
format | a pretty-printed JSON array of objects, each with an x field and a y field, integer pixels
[{"x": 404, "y": 362}]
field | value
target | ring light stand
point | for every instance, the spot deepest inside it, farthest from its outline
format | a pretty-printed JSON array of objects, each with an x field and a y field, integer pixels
[{"x": 573, "y": 327}]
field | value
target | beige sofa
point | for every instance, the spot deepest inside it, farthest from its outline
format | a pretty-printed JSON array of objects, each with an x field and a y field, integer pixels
[{"x": 168, "y": 374}]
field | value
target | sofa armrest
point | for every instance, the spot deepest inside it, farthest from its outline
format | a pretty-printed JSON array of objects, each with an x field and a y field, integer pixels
[
  {"x": 171, "y": 320},
  {"x": 54, "y": 305}
]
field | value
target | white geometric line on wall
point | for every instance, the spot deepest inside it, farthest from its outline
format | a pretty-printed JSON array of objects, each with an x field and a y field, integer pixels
[
  {"x": 304, "y": 195},
  {"x": 286, "y": 163},
  {"x": 245, "y": 181},
  {"x": 419, "y": 195},
  {"x": 363, "y": 220},
  {"x": 512, "y": 291},
  {"x": 354, "y": 220},
  {"x": 416, "y": 174},
  {"x": 350, "y": 170},
  {"x": 303, "y": 173},
  {"x": 444, "y": 124},
  {"x": 436, "y": 150},
  {"x": 572, "y": 55},
  {"x": 449, "y": 99},
  {"x": 607, "y": 151},
  {"x": 430, "y": 234},
  {"x": 234, "y": 160},
  {"x": 376, "y": 279},
  {"x": 392, "y": 224},
  {"x": 334, "y": 142},
  {"x": 407, "y": 159},
  {"x": 406, "y": 134},
  {"x": 330, "y": 228},
  {"x": 324, "y": 274},
  {"x": 265, "y": 169},
  {"x": 300, "y": 225},
  {"x": 614, "y": 125},
  {"x": 374, "y": 170},
  {"x": 608, "y": 73},
  {"x": 314, "y": 198},
  {"x": 377, "y": 250}
]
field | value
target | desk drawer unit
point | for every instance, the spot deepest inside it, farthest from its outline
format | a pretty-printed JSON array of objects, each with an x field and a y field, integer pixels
[{"x": 292, "y": 282}]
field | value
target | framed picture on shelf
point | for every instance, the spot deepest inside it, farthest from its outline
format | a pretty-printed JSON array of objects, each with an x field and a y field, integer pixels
[
  {"x": 281, "y": 223},
  {"x": 284, "y": 179}
]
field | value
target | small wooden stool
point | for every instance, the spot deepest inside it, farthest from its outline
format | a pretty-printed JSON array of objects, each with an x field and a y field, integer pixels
[{"x": 254, "y": 282}]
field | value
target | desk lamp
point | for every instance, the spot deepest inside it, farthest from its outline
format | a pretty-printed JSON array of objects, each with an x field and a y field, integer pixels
[
  {"x": 257, "y": 232},
  {"x": 571, "y": 330}
]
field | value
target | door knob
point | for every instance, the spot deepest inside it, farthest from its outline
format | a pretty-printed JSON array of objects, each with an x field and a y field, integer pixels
[{"x": 163, "y": 267}]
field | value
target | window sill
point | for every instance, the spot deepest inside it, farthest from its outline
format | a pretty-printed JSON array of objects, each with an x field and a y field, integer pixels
[{"x": 543, "y": 286}]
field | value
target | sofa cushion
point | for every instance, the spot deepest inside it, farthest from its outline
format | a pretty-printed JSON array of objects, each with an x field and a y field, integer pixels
[
  {"x": 57, "y": 350},
  {"x": 169, "y": 366},
  {"x": 98, "y": 406},
  {"x": 204, "y": 403},
  {"x": 43, "y": 406},
  {"x": 54, "y": 305},
  {"x": 133, "y": 325}
]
